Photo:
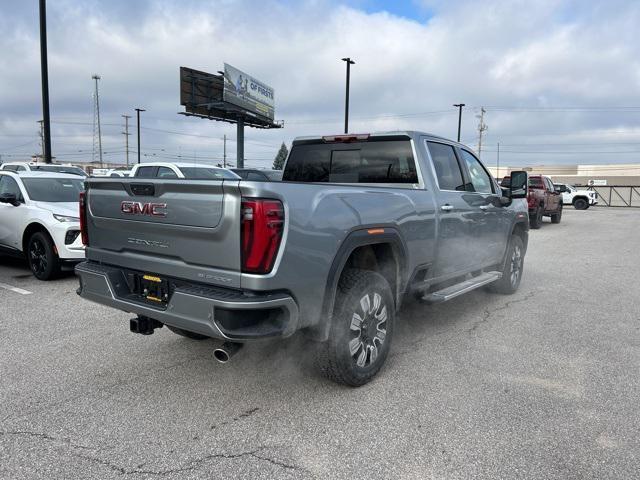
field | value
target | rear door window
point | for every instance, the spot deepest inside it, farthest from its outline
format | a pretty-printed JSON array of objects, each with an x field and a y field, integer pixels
[
  {"x": 373, "y": 161},
  {"x": 146, "y": 172},
  {"x": 446, "y": 165},
  {"x": 165, "y": 172}
]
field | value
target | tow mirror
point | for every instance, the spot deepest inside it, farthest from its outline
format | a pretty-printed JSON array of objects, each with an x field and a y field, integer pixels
[
  {"x": 518, "y": 185},
  {"x": 9, "y": 198}
]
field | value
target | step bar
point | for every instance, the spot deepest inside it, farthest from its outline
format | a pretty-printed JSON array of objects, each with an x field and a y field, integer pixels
[{"x": 460, "y": 288}]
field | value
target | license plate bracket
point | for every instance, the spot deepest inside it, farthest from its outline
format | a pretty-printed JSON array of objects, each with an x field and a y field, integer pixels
[{"x": 153, "y": 289}]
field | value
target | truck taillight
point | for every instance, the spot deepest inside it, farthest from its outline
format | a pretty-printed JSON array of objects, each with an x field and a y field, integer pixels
[
  {"x": 262, "y": 226},
  {"x": 83, "y": 218}
]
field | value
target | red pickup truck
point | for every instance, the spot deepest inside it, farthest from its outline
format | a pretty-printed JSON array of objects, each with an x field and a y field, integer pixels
[{"x": 543, "y": 199}]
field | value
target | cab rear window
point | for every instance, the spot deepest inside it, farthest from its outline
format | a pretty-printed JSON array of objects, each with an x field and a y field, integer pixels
[{"x": 381, "y": 161}]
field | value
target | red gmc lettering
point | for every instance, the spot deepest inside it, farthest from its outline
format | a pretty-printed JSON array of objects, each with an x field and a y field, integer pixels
[{"x": 139, "y": 208}]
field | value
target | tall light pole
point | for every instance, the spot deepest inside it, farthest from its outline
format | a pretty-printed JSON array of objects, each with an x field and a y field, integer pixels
[
  {"x": 44, "y": 73},
  {"x": 346, "y": 99},
  {"x": 138, "y": 110},
  {"x": 459, "y": 105}
]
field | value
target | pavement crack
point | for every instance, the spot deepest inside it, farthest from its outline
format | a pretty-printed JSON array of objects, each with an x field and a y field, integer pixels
[
  {"x": 489, "y": 313},
  {"x": 45, "y": 436},
  {"x": 191, "y": 466}
]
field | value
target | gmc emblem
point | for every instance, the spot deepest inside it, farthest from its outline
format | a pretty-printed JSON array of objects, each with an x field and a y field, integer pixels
[{"x": 139, "y": 208}]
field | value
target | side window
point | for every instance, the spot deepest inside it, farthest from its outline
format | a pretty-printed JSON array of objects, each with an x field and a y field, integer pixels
[
  {"x": 256, "y": 177},
  {"x": 550, "y": 184},
  {"x": 20, "y": 168},
  {"x": 9, "y": 185},
  {"x": 164, "y": 172},
  {"x": 146, "y": 172},
  {"x": 11, "y": 168},
  {"x": 480, "y": 179},
  {"x": 447, "y": 167}
]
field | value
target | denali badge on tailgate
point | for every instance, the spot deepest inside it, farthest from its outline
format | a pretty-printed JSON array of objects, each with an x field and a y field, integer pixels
[{"x": 139, "y": 208}]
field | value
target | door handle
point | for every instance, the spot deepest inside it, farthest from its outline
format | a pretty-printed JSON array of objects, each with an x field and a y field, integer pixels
[
  {"x": 446, "y": 208},
  {"x": 484, "y": 207}
]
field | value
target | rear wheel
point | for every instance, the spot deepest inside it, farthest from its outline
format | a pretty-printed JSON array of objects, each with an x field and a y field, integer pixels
[
  {"x": 580, "y": 204},
  {"x": 556, "y": 217},
  {"x": 512, "y": 271},
  {"x": 535, "y": 220},
  {"x": 43, "y": 260},
  {"x": 186, "y": 333},
  {"x": 361, "y": 329}
]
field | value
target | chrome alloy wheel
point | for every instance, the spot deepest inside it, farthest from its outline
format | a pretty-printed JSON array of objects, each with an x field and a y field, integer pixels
[
  {"x": 516, "y": 264},
  {"x": 368, "y": 329}
]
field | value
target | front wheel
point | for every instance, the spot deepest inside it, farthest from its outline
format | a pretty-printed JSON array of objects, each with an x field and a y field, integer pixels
[
  {"x": 43, "y": 260},
  {"x": 512, "y": 270},
  {"x": 361, "y": 329},
  {"x": 580, "y": 204}
]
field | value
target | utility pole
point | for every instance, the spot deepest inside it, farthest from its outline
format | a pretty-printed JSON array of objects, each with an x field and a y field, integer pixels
[
  {"x": 138, "y": 110},
  {"x": 44, "y": 73},
  {"x": 459, "y": 105},
  {"x": 126, "y": 135},
  {"x": 240, "y": 144},
  {"x": 41, "y": 122},
  {"x": 96, "y": 120},
  {"x": 346, "y": 98},
  {"x": 482, "y": 127},
  {"x": 498, "y": 163},
  {"x": 224, "y": 151}
]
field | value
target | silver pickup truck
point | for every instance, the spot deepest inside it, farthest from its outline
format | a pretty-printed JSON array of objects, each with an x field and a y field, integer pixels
[{"x": 358, "y": 223}]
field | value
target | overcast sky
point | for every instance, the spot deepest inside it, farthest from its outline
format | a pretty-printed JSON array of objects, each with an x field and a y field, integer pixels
[{"x": 560, "y": 80}]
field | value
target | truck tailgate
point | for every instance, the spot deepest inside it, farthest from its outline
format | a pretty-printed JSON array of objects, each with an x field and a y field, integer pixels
[{"x": 184, "y": 228}]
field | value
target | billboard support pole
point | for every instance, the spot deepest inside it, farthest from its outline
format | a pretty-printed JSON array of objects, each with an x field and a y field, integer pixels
[{"x": 240, "y": 144}]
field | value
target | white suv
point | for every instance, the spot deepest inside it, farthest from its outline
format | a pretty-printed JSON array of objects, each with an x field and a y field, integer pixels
[
  {"x": 42, "y": 167},
  {"x": 580, "y": 199},
  {"x": 39, "y": 220},
  {"x": 182, "y": 170}
]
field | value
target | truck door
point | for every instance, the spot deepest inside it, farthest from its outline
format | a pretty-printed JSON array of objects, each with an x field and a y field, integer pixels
[
  {"x": 553, "y": 197},
  {"x": 493, "y": 221},
  {"x": 10, "y": 215},
  {"x": 455, "y": 252}
]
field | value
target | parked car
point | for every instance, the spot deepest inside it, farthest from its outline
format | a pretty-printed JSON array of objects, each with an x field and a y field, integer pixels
[
  {"x": 42, "y": 167},
  {"x": 115, "y": 172},
  {"x": 258, "y": 175},
  {"x": 181, "y": 170},
  {"x": 543, "y": 200},
  {"x": 358, "y": 223},
  {"x": 39, "y": 220},
  {"x": 581, "y": 199}
]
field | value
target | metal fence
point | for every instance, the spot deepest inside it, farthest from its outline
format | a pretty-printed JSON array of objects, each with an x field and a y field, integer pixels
[{"x": 618, "y": 195}]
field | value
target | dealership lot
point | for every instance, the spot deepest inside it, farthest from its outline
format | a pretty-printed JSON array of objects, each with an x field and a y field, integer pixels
[{"x": 540, "y": 384}]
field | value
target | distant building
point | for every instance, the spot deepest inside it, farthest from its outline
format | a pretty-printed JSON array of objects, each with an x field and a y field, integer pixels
[{"x": 613, "y": 174}]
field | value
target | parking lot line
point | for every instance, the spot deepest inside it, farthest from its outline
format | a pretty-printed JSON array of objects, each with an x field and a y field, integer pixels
[{"x": 15, "y": 289}]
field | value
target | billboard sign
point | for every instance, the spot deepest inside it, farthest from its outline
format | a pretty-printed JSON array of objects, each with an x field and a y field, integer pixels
[{"x": 248, "y": 93}]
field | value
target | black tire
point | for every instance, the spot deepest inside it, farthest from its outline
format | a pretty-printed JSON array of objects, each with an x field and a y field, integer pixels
[
  {"x": 353, "y": 355},
  {"x": 42, "y": 258},
  {"x": 513, "y": 268},
  {"x": 580, "y": 204},
  {"x": 535, "y": 220},
  {"x": 186, "y": 333},
  {"x": 556, "y": 217}
]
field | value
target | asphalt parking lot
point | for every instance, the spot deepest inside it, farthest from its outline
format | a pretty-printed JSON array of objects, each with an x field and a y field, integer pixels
[{"x": 541, "y": 384}]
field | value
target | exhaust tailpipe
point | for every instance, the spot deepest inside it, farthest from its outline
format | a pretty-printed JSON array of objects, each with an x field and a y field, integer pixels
[{"x": 227, "y": 350}]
